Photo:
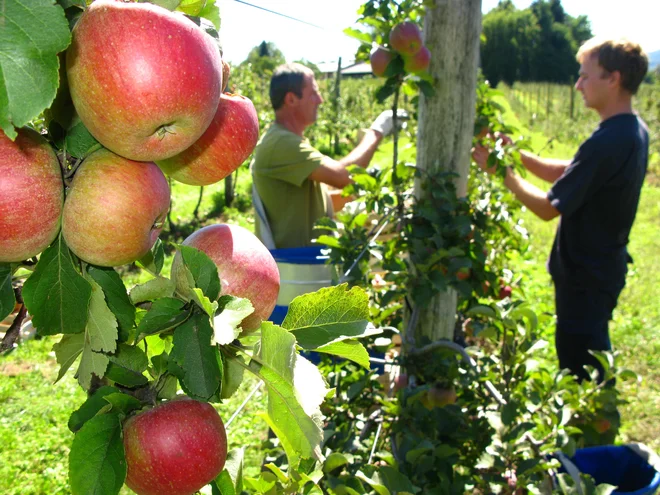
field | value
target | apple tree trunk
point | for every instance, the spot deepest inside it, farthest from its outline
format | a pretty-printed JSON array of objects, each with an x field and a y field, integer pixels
[{"x": 452, "y": 32}]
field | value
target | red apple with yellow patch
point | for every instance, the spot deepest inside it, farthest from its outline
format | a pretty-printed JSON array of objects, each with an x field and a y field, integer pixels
[
  {"x": 226, "y": 144},
  {"x": 145, "y": 81},
  {"x": 31, "y": 196}
]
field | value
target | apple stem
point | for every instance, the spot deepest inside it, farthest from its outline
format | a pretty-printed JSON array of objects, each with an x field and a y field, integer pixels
[{"x": 10, "y": 338}]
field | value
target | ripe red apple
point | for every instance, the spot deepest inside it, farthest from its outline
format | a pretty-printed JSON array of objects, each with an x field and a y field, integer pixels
[
  {"x": 228, "y": 141},
  {"x": 144, "y": 81},
  {"x": 115, "y": 209},
  {"x": 418, "y": 62},
  {"x": 246, "y": 267},
  {"x": 175, "y": 448},
  {"x": 406, "y": 38},
  {"x": 380, "y": 58},
  {"x": 31, "y": 195},
  {"x": 505, "y": 291},
  {"x": 601, "y": 425},
  {"x": 463, "y": 273}
]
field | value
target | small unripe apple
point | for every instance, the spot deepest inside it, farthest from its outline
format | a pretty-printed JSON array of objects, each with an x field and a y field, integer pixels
[
  {"x": 601, "y": 425},
  {"x": 380, "y": 58},
  {"x": 31, "y": 196},
  {"x": 439, "y": 397},
  {"x": 115, "y": 209},
  {"x": 418, "y": 62},
  {"x": 406, "y": 38},
  {"x": 175, "y": 448}
]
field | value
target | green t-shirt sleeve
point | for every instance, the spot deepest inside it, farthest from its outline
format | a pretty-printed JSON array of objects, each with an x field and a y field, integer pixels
[{"x": 292, "y": 159}]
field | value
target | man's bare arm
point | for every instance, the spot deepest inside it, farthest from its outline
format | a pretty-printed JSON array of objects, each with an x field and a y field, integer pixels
[
  {"x": 547, "y": 169},
  {"x": 334, "y": 173},
  {"x": 531, "y": 196}
]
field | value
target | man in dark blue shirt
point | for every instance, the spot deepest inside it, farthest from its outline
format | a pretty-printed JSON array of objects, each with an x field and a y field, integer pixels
[{"x": 596, "y": 194}]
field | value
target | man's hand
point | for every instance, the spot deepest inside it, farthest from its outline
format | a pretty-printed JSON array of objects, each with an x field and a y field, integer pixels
[
  {"x": 480, "y": 155},
  {"x": 384, "y": 123}
]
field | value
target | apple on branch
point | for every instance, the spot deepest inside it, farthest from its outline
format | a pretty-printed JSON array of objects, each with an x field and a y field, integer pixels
[
  {"x": 380, "y": 58},
  {"x": 115, "y": 209},
  {"x": 175, "y": 448},
  {"x": 145, "y": 81},
  {"x": 406, "y": 38},
  {"x": 31, "y": 196},
  {"x": 226, "y": 144},
  {"x": 245, "y": 266}
]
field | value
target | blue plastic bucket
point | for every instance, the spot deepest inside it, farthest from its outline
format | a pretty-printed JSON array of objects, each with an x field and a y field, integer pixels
[
  {"x": 620, "y": 466},
  {"x": 304, "y": 270}
]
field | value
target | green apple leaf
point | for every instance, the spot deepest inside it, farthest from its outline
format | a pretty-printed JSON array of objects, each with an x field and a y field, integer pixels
[
  {"x": 211, "y": 12},
  {"x": 203, "y": 270},
  {"x": 328, "y": 315},
  {"x": 294, "y": 388},
  {"x": 7, "y": 298},
  {"x": 164, "y": 314},
  {"x": 91, "y": 363},
  {"x": 67, "y": 350},
  {"x": 56, "y": 295},
  {"x": 232, "y": 376},
  {"x": 156, "y": 288},
  {"x": 230, "y": 481},
  {"x": 33, "y": 33},
  {"x": 116, "y": 298},
  {"x": 122, "y": 403},
  {"x": 226, "y": 325},
  {"x": 347, "y": 349},
  {"x": 193, "y": 359},
  {"x": 127, "y": 366},
  {"x": 154, "y": 259},
  {"x": 167, "y": 4},
  {"x": 102, "y": 325},
  {"x": 209, "y": 307},
  {"x": 90, "y": 408},
  {"x": 79, "y": 142},
  {"x": 97, "y": 464}
]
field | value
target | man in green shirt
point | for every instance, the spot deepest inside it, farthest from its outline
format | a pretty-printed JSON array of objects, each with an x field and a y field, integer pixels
[{"x": 290, "y": 176}]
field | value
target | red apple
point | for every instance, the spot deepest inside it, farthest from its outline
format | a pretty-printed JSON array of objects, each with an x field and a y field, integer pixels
[
  {"x": 406, "y": 38},
  {"x": 144, "y": 81},
  {"x": 246, "y": 267},
  {"x": 418, "y": 62},
  {"x": 175, "y": 448},
  {"x": 601, "y": 425},
  {"x": 380, "y": 58},
  {"x": 31, "y": 196},
  {"x": 228, "y": 141},
  {"x": 115, "y": 209},
  {"x": 505, "y": 291},
  {"x": 463, "y": 273}
]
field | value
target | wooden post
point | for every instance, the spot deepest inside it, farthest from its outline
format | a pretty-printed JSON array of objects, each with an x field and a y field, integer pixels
[
  {"x": 336, "y": 103},
  {"x": 451, "y": 30}
]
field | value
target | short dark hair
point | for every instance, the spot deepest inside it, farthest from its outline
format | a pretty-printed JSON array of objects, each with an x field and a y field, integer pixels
[
  {"x": 618, "y": 55},
  {"x": 287, "y": 78}
]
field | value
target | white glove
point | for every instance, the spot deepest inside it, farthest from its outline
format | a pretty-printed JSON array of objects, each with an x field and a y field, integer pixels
[{"x": 384, "y": 123}]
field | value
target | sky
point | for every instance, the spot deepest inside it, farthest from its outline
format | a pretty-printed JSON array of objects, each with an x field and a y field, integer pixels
[{"x": 244, "y": 27}]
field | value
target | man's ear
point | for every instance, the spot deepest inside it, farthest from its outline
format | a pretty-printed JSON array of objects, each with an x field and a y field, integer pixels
[
  {"x": 291, "y": 99},
  {"x": 615, "y": 78}
]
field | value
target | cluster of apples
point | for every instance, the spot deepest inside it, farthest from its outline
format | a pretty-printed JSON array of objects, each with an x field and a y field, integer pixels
[
  {"x": 148, "y": 85},
  {"x": 406, "y": 42}
]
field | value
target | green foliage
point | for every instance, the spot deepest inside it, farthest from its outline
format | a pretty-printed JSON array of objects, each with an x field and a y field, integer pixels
[
  {"x": 533, "y": 44},
  {"x": 28, "y": 48}
]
